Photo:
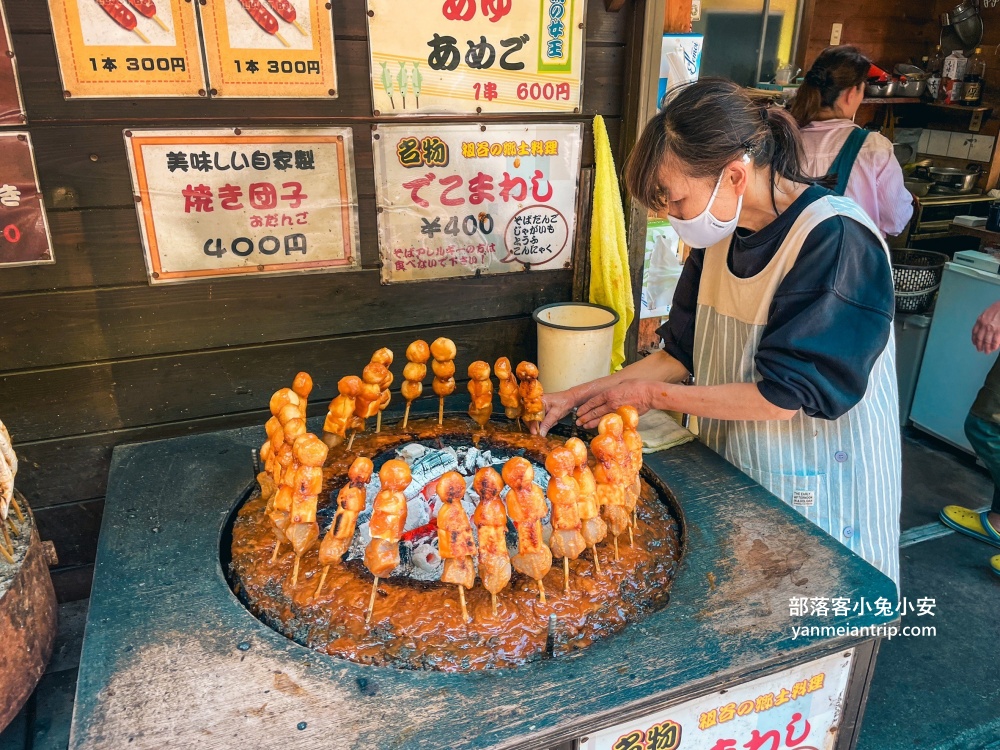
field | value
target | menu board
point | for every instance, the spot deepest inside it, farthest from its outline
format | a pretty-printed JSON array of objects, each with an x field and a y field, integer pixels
[
  {"x": 469, "y": 56},
  {"x": 468, "y": 199},
  {"x": 24, "y": 228},
  {"x": 11, "y": 104},
  {"x": 216, "y": 203},
  {"x": 127, "y": 48},
  {"x": 269, "y": 48}
]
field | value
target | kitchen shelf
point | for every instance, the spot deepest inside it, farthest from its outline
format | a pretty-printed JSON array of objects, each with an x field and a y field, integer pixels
[
  {"x": 959, "y": 107},
  {"x": 895, "y": 100}
]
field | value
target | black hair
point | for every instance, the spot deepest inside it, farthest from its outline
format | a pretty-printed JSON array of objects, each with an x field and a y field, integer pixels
[{"x": 835, "y": 70}]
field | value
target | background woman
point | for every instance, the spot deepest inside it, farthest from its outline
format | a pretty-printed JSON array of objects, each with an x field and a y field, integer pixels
[
  {"x": 863, "y": 162},
  {"x": 784, "y": 320}
]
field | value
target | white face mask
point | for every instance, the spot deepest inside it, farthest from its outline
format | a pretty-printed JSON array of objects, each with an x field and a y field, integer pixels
[{"x": 704, "y": 230}]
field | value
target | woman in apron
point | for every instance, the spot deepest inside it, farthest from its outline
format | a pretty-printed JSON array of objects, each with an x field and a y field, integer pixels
[
  {"x": 782, "y": 314},
  {"x": 862, "y": 162}
]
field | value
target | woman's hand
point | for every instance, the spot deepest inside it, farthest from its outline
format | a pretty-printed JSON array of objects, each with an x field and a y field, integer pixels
[
  {"x": 637, "y": 393},
  {"x": 986, "y": 331},
  {"x": 557, "y": 406}
]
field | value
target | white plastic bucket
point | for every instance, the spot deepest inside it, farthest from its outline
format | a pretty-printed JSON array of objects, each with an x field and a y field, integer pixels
[{"x": 574, "y": 343}]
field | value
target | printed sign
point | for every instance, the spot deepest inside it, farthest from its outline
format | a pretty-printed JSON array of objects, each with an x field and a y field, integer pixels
[
  {"x": 454, "y": 56},
  {"x": 461, "y": 200},
  {"x": 11, "y": 104},
  {"x": 797, "y": 709},
  {"x": 24, "y": 229},
  {"x": 269, "y": 48},
  {"x": 222, "y": 202},
  {"x": 127, "y": 48}
]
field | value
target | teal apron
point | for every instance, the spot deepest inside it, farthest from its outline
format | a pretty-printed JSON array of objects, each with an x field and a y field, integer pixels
[{"x": 844, "y": 163}]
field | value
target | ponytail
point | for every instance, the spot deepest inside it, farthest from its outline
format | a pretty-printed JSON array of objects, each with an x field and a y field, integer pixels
[{"x": 836, "y": 70}]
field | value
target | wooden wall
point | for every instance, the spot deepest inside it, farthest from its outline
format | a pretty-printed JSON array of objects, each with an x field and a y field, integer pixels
[{"x": 91, "y": 356}]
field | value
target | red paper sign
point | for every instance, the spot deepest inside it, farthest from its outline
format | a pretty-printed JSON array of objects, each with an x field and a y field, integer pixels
[{"x": 24, "y": 230}]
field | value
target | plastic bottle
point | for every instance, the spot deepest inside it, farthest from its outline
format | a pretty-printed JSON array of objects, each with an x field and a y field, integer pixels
[{"x": 972, "y": 83}]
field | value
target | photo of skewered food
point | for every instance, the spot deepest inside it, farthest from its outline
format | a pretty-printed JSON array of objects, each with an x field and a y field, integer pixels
[
  {"x": 144, "y": 22},
  {"x": 272, "y": 19}
]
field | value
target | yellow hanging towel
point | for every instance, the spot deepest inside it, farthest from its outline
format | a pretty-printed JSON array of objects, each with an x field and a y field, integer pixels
[{"x": 610, "y": 282}]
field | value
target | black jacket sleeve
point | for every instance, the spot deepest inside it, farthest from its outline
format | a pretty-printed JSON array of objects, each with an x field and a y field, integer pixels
[
  {"x": 678, "y": 332},
  {"x": 829, "y": 321}
]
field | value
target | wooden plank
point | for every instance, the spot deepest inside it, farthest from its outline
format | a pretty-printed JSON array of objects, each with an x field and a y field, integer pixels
[
  {"x": 73, "y": 528},
  {"x": 73, "y": 584},
  {"x": 116, "y": 395},
  {"x": 113, "y": 323},
  {"x": 44, "y": 101},
  {"x": 349, "y": 21}
]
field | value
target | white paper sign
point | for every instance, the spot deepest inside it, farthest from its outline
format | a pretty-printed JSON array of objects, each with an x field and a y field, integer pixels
[
  {"x": 797, "y": 709},
  {"x": 222, "y": 202},
  {"x": 457, "y": 200}
]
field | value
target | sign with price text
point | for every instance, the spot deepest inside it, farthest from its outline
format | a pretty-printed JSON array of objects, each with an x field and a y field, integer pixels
[
  {"x": 11, "y": 105},
  {"x": 217, "y": 203},
  {"x": 463, "y": 200},
  {"x": 127, "y": 48},
  {"x": 269, "y": 48},
  {"x": 24, "y": 229},
  {"x": 476, "y": 56}
]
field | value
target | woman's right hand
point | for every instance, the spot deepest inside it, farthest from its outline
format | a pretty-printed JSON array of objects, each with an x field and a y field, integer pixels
[{"x": 557, "y": 406}]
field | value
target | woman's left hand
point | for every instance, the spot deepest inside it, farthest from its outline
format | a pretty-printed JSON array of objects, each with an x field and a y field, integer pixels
[{"x": 637, "y": 393}]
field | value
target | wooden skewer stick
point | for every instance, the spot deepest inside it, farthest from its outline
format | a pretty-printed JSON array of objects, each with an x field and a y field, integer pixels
[
  {"x": 295, "y": 571},
  {"x": 322, "y": 580},
  {"x": 298, "y": 26},
  {"x": 378, "y": 423},
  {"x": 541, "y": 591},
  {"x": 406, "y": 415},
  {"x": 616, "y": 549},
  {"x": 461, "y": 598},
  {"x": 566, "y": 574},
  {"x": 519, "y": 428},
  {"x": 371, "y": 602},
  {"x": 160, "y": 22},
  {"x": 17, "y": 509},
  {"x": 281, "y": 39},
  {"x": 10, "y": 545},
  {"x": 493, "y": 598},
  {"x": 351, "y": 441},
  {"x": 631, "y": 539},
  {"x": 441, "y": 411},
  {"x": 597, "y": 561},
  {"x": 142, "y": 36},
  {"x": 9, "y": 557},
  {"x": 274, "y": 555},
  {"x": 13, "y": 526}
]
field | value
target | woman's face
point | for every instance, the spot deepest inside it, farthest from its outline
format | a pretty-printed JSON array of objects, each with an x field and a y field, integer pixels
[{"x": 689, "y": 196}]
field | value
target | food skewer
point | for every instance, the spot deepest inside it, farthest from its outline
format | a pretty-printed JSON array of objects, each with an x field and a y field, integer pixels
[
  {"x": 286, "y": 11},
  {"x": 387, "y": 524},
  {"x": 280, "y": 514},
  {"x": 9, "y": 555},
  {"x": 455, "y": 543},
  {"x": 563, "y": 492},
  {"x": 526, "y": 507},
  {"x": 350, "y": 502},
  {"x": 616, "y": 428},
  {"x": 369, "y": 396},
  {"x": 341, "y": 411},
  {"x": 481, "y": 391},
  {"x": 383, "y": 357},
  {"x": 414, "y": 373},
  {"x": 444, "y": 352},
  {"x": 610, "y": 477},
  {"x": 303, "y": 531},
  {"x": 122, "y": 16},
  {"x": 8, "y": 457},
  {"x": 530, "y": 389},
  {"x": 263, "y": 18},
  {"x": 633, "y": 446},
  {"x": 148, "y": 9},
  {"x": 302, "y": 386},
  {"x": 593, "y": 528},
  {"x": 510, "y": 396},
  {"x": 490, "y": 518}
]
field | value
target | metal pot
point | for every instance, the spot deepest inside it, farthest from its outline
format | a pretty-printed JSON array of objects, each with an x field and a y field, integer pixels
[
  {"x": 918, "y": 187},
  {"x": 880, "y": 90},
  {"x": 911, "y": 72},
  {"x": 958, "y": 180},
  {"x": 908, "y": 86}
]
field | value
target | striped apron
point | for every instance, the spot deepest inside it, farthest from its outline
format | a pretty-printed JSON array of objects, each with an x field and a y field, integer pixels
[{"x": 844, "y": 474}]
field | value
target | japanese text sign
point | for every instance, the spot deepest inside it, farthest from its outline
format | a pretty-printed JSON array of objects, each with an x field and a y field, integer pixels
[
  {"x": 797, "y": 709},
  {"x": 127, "y": 48},
  {"x": 221, "y": 202},
  {"x": 11, "y": 106},
  {"x": 269, "y": 48},
  {"x": 24, "y": 229},
  {"x": 471, "y": 56},
  {"x": 461, "y": 200}
]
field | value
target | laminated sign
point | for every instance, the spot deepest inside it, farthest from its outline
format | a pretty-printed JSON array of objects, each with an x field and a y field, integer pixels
[
  {"x": 11, "y": 105},
  {"x": 217, "y": 203},
  {"x": 269, "y": 48},
  {"x": 470, "y": 56},
  {"x": 127, "y": 48},
  {"x": 24, "y": 229},
  {"x": 463, "y": 200}
]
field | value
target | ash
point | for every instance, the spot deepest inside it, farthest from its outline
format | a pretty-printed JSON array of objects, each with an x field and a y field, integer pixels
[{"x": 419, "y": 556}]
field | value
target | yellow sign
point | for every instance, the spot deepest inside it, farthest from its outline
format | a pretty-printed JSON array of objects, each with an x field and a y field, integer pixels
[
  {"x": 269, "y": 48},
  {"x": 216, "y": 203},
  {"x": 475, "y": 56},
  {"x": 127, "y": 48}
]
